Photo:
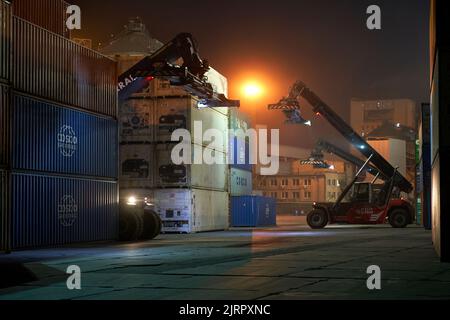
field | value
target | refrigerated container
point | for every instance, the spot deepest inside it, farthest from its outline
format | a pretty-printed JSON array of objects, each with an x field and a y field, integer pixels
[
  {"x": 241, "y": 182},
  {"x": 5, "y": 41},
  {"x": 202, "y": 176},
  {"x": 182, "y": 113},
  {"x": 56, "y": 210},
  {"x": 191, "y": 211},
  {"x": 136, "y": 121},
  {"x": 137, "y": 162},
  {"x": 49, "y": 66},
  {"x": 49, "y": 138},
  {"x": 253, "y": 211},
  {"x": 48, "y": 14}
]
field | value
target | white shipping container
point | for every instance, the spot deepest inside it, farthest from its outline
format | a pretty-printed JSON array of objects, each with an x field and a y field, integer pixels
[
  {"x": 182, "y": 113},
  {"x": 162, "y": 88},
  {"x": 241, "y": 182},
  {"x": 136, "y": 121},
  {"x": 193, "y": 210},
  {"x": 136, "y": 166},
  {"x": 220, "y": 86},
  {"x": 203, "y": 176}
]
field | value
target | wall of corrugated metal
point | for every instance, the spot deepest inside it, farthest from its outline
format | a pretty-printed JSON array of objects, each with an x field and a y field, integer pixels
[
  {"x": 49, "y": 211},
  {"x": 241, "y": 182},
  {"x": 53, "y": 139},
  {"x": 52, "y": 67},
  {"x": 4, "y": 126},
  {"x": 253, "y": 211},
  {"x": 4, "y": 210},
  {"x": 5, "y": 41},
  {"x": 48, "y": 14}
]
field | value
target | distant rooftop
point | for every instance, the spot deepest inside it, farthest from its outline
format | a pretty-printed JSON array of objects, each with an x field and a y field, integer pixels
[
  {"x": 135, "y": 39},
  {"x": 393, "y": 131}
]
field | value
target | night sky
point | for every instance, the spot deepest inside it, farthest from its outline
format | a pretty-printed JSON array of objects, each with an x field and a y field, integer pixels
[{"x": 324, "y": 43}]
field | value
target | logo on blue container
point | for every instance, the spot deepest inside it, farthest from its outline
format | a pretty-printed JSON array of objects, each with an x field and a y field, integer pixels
[
  {"x": 67, "y": 141},
  {"x": 67, "y": 211}
]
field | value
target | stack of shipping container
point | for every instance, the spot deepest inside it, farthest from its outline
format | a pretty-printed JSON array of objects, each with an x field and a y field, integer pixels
[
  {"x": 58, "y": 123},
  {"x": 247, "y": 210},
  {"x": 423, "y": 167},
  {"x": 188, "y": 197}
]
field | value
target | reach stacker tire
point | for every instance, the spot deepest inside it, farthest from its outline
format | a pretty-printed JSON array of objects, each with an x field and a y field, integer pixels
[
  {"x": 317, "y": 219},
  {"x": 399, "y": 219},
  {"x": 131, "y": 223},
  {"x": 152, "y": 225}
]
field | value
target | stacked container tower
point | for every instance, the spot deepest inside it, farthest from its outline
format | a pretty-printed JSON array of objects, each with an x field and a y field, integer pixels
[
  {"x": 58, "y": 123},
  {"x": 189, "y": 197}
]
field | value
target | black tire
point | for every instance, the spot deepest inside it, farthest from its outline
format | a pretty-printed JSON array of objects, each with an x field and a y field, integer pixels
[
  {"x": 317, "y": 219},
  {"x": 131, "y": 223},
  {"x": 152, "y": 225},
  {"x": 399, "y": 218}
]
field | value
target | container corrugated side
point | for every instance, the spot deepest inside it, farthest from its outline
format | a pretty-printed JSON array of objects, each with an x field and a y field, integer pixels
[
  {"x": 193, "y": 210},
  {"x": 137, "y": 162},
  {"x": 49, "y": 66},
  {"x": 239, "y": 153},
  {"x": 182, "y": 113},
  {"x": 5, "y": 41},
  {"x": 5, "y": 217},
  {"x": 48, "y": 14},
  {"x": 5, "y": 124},
  {"x": 137, "y": 120},
  {"x": 49, "y": 211},
  {"x": 253, "y": 211},
  {"x": 241, "y": 182},
  {"x": 202, "y": 176},
  {"x": 53, "y": 139}
]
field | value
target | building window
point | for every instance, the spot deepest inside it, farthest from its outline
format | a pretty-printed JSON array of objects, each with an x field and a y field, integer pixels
[
  {"x": 334, "y": 182},
  {"x": 285, "y": 195},
  {"x": 274, "y": 182},
  {"x": 307, "y": 195},
  {"x": 285, "y": 182},
  {"x": 164, "y": 85},
  {"x": 274, "y": 195},
  {"x": 296, "y": 195},
  {"x": 296, "y": 182},
  {"x": 308, "y": 182}
]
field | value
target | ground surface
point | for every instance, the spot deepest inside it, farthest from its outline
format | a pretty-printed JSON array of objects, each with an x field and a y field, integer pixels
[{"x": 287, "y": 262}]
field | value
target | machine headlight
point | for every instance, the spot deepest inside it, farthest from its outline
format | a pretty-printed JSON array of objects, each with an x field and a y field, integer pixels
[{"x": 132, "y": 201}]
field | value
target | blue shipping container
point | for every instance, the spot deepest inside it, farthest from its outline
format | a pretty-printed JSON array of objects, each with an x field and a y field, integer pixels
[
  {"x": 49, "y": 138},
  {"x": 48, "y": 211},
  {"x": 240, "y": 154},
  {"x": 253, "y": 211}
]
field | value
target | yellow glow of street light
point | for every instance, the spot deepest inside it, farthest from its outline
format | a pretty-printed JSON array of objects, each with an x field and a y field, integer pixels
[{"x": 252, "y": 90}]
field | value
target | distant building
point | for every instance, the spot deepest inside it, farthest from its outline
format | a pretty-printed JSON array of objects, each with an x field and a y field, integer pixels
[
  {"x": 297, "y": 187},
  {"x": 368, "y": 115},
  {"x": 131, "y": 45},
  {"x": 388, "y": 121}
]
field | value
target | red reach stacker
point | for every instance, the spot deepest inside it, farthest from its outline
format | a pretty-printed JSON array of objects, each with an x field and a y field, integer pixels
[{"x": 366, "y": 203}]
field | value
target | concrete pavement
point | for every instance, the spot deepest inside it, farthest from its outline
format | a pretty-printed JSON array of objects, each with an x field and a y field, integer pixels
[{"x": 287, "y": 262}]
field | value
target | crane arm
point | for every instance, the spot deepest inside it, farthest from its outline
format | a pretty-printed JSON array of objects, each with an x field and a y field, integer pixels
[
  {"x": 300, "y": 90},
  {"x": 332, "y": 149},
  {"x": 163, "y": 64}
]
